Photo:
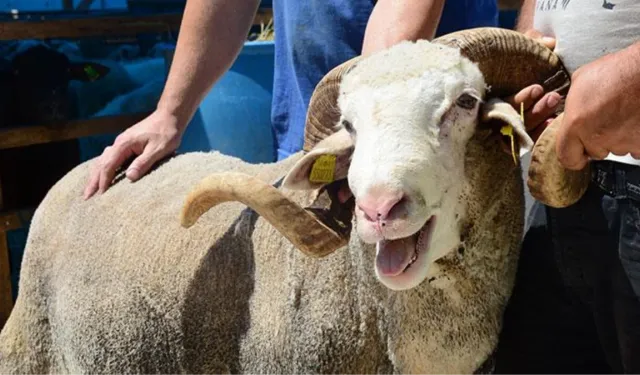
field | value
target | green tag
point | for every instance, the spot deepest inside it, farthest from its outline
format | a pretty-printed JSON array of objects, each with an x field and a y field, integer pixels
[{"x": 91, "y": 73}]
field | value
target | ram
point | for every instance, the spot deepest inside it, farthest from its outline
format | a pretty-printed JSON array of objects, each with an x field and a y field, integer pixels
[{"x": 389, "y": 245}]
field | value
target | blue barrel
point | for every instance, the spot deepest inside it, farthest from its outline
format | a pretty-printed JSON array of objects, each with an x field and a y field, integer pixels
[{"x": 235, "y": 116}]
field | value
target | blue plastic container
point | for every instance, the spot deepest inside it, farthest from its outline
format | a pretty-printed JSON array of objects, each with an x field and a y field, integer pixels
[{"x": 235, "y": 116}]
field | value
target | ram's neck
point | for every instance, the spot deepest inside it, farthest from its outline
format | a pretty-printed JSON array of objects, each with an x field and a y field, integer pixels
[{"x": 493, "y": 196}]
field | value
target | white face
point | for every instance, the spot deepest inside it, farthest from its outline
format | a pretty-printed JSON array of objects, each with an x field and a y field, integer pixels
[{"x": 410, "y": 132}]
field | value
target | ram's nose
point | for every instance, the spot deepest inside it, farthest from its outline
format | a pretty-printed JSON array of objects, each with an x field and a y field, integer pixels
[{"x": 381, "y": 203}]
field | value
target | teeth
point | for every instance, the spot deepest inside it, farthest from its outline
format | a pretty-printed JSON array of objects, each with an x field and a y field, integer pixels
[{"x": 419, "y": 244}]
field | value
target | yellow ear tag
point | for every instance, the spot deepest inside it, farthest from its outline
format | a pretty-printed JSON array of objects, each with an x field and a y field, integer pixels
[
  {"x": 508, "y": 131},
  {"x": 323, "y": 169}
]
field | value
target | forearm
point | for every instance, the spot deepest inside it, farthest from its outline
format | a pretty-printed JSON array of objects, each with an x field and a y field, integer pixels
[
  {"x": 525, "y": 16},
  {"x": 211, "y": 36},
  {"x": 393, "y": 21}
]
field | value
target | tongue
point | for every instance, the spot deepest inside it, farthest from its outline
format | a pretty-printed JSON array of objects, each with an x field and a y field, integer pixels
[{"x": 394, "y": 256}]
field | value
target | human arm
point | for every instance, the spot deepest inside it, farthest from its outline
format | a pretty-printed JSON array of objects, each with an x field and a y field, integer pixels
[
  {"x": 212, "y": 34},
  {"x": 393, "y": 21},
  {"x": 601, "y": 114},
  {"x": 524, "y": 22}
]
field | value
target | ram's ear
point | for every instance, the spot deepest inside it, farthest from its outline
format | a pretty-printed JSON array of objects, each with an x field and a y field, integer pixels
[
  {"x": 327, "y": 162},
  {"x": 503, "y": 117}
]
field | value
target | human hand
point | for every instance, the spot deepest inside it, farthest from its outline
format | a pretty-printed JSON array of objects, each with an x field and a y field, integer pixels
[
  {"x": 151, "y": 139},
  {"x": 601, "y": 113},
  {"x": 539, "y": 107}
]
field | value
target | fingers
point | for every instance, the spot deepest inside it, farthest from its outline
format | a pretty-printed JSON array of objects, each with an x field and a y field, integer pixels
[
  {"x": 526, "y": 96},
  {"x": 141, "y": 165},
  {"x": 92, "y": 185},
  {"x": 116, "y": 155},
  {"x": 547, "y": 41},
  {"x": 537, "y": 107},
  {"x": 104, "y": 168},
  {"x": 570, "y": 150},
  {"x": 542, "y": 110}
]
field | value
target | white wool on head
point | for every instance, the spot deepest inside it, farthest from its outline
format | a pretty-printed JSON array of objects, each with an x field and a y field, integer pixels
[
  {"x": 405, "y": 61},
  {"x": 410, "y": 134}
]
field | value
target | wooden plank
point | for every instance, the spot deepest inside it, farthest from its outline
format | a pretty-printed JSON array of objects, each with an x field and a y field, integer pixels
[
  {"x": 6, "y": 298},
  {"x": 38, "y": 134},
  {"x": 509, "y": 4},
  {"x": 89, "y": 26},
  {"x": 100, "y": 26}
]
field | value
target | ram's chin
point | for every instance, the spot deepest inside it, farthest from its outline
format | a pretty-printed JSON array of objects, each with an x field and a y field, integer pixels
[{"x": 404, "y": 263}]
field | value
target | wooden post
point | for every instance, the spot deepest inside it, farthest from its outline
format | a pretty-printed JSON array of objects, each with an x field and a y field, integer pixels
[
  {"x": 6, "y": 299},
  {"x": 8, "y": 221}
]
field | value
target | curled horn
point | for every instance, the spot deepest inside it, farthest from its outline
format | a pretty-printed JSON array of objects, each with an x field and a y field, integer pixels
[
  {"x": 510, "y": 62},
  {"x": 297, "y": 224},
  {"x": 548, "y": 180},
  {"x": 323, "y": 113}
]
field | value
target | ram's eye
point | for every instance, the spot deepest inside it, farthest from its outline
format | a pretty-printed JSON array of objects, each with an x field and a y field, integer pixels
[
  {"x": 466, "y": 101},
  {"x": 348, "y": 126}
]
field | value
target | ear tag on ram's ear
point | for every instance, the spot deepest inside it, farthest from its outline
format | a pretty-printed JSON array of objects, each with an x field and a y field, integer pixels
[
  {"x": 91, "y": 72},
  {"x": 323, "y": 169},
  {"x": 507, "y": 130}
]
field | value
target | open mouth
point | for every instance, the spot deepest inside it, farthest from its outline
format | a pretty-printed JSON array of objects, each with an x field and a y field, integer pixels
[{"x": 396, "y": 257}]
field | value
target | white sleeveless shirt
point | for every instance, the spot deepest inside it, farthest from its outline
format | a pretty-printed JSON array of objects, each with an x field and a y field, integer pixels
[{"x": 588, "y": 29}]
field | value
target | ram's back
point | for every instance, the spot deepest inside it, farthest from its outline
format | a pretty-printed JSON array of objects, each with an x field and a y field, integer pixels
[{"x": 118, "y": 274}]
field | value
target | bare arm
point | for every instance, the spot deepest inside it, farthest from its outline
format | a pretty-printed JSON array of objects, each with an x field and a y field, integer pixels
[
  {"x": 393, "y": 21},
  {"x": 525, "y": 16},
  {"x": 211, "y": 36}
]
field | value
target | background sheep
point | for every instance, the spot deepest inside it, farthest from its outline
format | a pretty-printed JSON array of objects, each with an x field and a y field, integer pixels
[
  {"x": 71, "y": 85},
  {"x": 35, "y": 84},
  {"x": 120, "y": 287},
  {"x": 52, "y": 82},
  {"x": 39, "y": 85},
  {"x": 124, "y": 78}
]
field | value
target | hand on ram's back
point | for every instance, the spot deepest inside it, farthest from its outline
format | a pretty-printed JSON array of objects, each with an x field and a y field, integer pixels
[
  {"x": 148, "y": 141},
  {"x": 539, "y": 107}
]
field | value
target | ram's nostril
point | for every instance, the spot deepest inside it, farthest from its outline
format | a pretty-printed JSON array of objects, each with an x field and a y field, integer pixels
[
  {"x": 381, "y": 203},
  {"x": 399, "y": 209}
]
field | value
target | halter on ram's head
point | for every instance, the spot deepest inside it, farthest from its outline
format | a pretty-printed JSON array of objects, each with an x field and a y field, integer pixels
[{"x": 393, "y": 128}]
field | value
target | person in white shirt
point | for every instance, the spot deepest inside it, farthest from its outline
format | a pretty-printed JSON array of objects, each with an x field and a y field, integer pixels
[{"x": 575, "y": 307}]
